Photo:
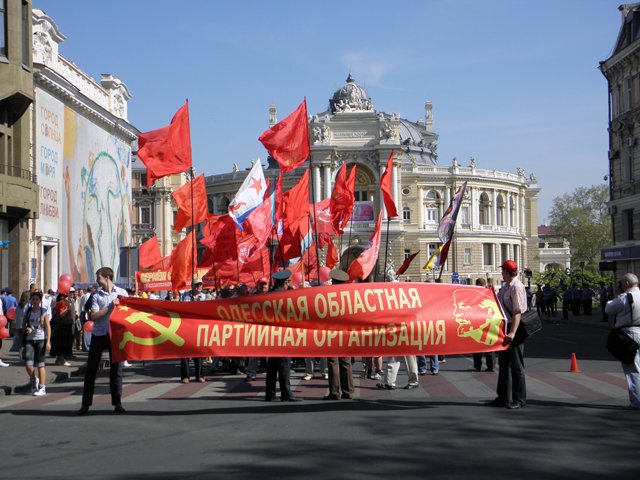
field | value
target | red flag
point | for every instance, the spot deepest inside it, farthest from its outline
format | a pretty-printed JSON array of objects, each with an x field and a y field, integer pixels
[
  {"x": 167, "y": 150},
  {"x": 406, "y": 263},
  {"x": 322, "y": 218},
  {"x": 296, "y": 218},
  {"x": 363, "y": 265},
  {"x": 163, "y": 264},
  {"x": 220, "y": 237},
  {"x": 149, "y": 253},
  {"x": 342, "y": 198},
  {"x": 288, "y": 140},
  {"x": 385, "y": 186},
  {"x": 332, "y": 254},
  {"x": 183, "y": 261},
  {"x": 183, "y": 198},
  {"x": 258, "y": 222}
]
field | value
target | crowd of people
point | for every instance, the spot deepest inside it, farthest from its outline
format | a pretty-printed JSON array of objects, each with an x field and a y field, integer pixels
[{"x": 53, "y": 324}]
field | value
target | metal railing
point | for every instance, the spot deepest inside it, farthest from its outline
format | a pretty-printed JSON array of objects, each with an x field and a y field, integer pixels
[{"x": 13, "y": 171}]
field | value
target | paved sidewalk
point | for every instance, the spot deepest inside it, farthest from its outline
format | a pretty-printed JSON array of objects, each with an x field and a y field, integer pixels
[{"x": 14, "y": 378}]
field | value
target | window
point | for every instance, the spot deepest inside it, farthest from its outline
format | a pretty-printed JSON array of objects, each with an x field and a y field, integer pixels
[
  {"x": 431, "y": 248},
  {"x": 432, "y": 206},
  {"x": 487, "y": 254},
  {"x": 145, "y": 215},
  {"x": 512, "y": 207},
  {"x": 501, "y": 210},
  {"x": 407, "y": 253},
  {"x": 504, "y": 252},
  {"x": 406, "y": 214},
  {"x": 516, "y": 254},
  {"x": 26, "y": 37},
  {"x": 628, "y": 167},
  {"x": 627, "y": 224},
  {"x": 467, "y": 256},
  {"x": 464, "y": 215},
  {"x": 627, "y": 94},
  {"x": 360, "y": 196},
  {"x": 143, "y": 180},
  {"x": 3, "y": 28},
  {"x": 485, "y": 209}
]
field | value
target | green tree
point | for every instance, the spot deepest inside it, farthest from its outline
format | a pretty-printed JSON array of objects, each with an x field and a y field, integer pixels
[{"x": 582, "y": 218}]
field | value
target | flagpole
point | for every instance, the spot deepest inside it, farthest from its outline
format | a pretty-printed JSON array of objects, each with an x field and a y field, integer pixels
[
  {"x": 386, "y": 251},
  {"x": 315, "y": 220},
  {"x": 193, "y": 242},
  {"x": 349, "y": 244}
]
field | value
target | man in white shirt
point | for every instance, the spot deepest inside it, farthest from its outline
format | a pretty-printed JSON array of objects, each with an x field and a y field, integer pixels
[
  {"x": 513, "y": 299},
  {"x": 625, "y": 310}
]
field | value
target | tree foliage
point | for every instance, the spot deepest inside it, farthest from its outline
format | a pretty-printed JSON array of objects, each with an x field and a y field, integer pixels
[{"x": 582, "y": 218}]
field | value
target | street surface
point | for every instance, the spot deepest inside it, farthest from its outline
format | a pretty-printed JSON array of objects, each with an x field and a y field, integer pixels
[{"x": 574, "y": 425}]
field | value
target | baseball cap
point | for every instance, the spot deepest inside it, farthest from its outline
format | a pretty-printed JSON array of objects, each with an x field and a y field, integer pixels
[{"x": 510, "y": 266}]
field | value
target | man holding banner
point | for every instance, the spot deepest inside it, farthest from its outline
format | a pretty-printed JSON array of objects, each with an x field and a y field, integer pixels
[{"x": 513, "y": 300}]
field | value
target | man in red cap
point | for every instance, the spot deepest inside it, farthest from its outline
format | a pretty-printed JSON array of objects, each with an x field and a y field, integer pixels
[{"x": 513, "y": 299}]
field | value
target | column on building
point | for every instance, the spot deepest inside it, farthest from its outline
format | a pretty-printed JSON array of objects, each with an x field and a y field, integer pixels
[
  {"x": 383, "y": 210},
  {"x": 494, "y": 200},
  {"x": 394, "y": 186},
  {"x": 167, "y": 223},
  {"x": 475, "y": 209},
  {"x": 420, "y": 207},
  {"x": 315, "y": 171},
  {"x": 507, "y": 214},
  {"x": 327, "y": 181}
]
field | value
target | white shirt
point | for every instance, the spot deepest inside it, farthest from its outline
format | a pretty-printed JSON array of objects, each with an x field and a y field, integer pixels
[{"x": 625, "y": 314}]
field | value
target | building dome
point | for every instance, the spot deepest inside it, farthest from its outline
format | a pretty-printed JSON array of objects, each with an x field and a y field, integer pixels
[{"x": 351, "y": 97}]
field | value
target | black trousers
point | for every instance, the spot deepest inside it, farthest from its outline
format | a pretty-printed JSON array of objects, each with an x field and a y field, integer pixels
[
  {"x": 98, "y": 345},
  {"x": 278, "y": 369},
  {"x": 511, "y": 380},
  {"x": 184, "y": 368},
  {"x": 477, "y": 360}
]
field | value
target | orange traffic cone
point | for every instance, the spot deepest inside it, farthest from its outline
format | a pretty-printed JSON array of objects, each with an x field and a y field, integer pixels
[{"x": 574, "y": 364}]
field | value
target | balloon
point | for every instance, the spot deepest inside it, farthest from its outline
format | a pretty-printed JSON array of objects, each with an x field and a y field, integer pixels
[
  {"x": 88, "y": 326},
  {"x": 64, "y": 287},
  {"x": 325, "y": 274},
  {"x": 4, "y": 333},
  {"x": 3, "y": 321},
  {"x": 11, "y": 313},
  {"x": 65, "y": 277}
]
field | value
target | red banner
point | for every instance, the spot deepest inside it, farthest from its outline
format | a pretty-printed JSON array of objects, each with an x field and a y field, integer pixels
[
  {"x": 161, "y": 280},
  {"x": 360, "y": 320}
]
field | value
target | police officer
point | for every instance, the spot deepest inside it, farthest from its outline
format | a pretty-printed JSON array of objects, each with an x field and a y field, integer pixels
[
  {"x": 279, "y": 368},
  {"x": 340, "y": 370}
]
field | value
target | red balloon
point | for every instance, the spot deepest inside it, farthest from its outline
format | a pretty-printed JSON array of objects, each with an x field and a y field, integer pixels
[
  {"x": 11, "y": 313},
  {"x": 325, "y": 274},
  {"x": 3, "y": 321},
  {"x": 65, "y": 277},
  {"x": 88, "y": 326},
  {"x": 4, "y": 333},
  {"x": 64, "y": 287},
  {"x": 296, "y": 279}
]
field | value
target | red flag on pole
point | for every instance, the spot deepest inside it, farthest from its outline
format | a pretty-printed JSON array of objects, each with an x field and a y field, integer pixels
[
  {"x": 288, "y": 140},
  {"x": 406, "y": 263},
  {"x": 363, "y": 265},
  {"x": 387, "y": 190},
  {"x": 167, "y": 150},
  {"x": 332, "y": 254},
  {"x": 183, "y": 260},
  {"x": 342, "y": 198},
  {"x": 149, "y": 253},
  {"x": 182, "y": 196}
]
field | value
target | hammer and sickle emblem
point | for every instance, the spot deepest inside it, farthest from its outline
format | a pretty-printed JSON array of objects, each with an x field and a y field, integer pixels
[{"x": 166, "y": 333}]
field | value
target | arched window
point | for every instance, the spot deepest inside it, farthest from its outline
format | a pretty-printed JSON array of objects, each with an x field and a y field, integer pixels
[
  {"x": 501, "y": 210},
  {"x": 485, "y": 209},
  {"x": 432, "y": 207},
  {"x": 406, "y": 214},
  {"x": 512, "y": 208}
]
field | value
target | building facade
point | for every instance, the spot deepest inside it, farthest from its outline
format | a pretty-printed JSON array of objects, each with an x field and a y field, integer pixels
[
  {"x": 555, "y": 250},
  {"x": 622, "y": 71},
  {"x": 18, "y": 187},
  {"x": 81, "y": 148},
  {"x": 497, "y": 220}
]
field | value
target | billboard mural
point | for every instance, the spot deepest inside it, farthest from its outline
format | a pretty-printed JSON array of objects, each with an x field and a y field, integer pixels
[{"x": 84, "y": 173}]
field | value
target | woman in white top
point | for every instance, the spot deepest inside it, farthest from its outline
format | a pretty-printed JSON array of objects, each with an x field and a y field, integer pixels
[{"x": 38, "y": 342}]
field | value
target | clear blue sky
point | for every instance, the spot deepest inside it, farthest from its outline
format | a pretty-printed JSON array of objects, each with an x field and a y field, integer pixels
[{"x": 514, "y": 83}]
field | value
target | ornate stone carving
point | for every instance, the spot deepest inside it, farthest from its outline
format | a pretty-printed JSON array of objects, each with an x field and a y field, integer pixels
[
  {"x": 351, "y": 97},
  {"x": 532, "y": 178},
  {"x": 321, "y": 134},
  {"x": 42, "y": 49},
  {"x": 472, "y": 162},
  {"x": 520, "y": 171}
]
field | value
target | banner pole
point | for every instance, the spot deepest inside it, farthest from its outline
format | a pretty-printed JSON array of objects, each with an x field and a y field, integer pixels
[{"x": 386, "y": 251}]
